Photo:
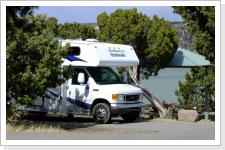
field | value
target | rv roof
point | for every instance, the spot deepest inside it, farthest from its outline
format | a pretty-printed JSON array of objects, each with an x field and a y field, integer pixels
[{"x": 80, "y": 41}]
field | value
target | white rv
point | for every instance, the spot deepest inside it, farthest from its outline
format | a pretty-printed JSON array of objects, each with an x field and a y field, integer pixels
[{"x": 94, "y": 88}]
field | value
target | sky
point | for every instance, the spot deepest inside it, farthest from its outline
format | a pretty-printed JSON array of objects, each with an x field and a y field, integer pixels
[{"x": 88, "y": 14}]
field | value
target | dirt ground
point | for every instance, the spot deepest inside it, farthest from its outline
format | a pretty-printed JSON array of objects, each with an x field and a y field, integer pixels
[{"x": 87, "y": 123}]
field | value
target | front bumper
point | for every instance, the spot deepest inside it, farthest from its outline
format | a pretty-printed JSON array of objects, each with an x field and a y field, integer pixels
[{"x": 126, "y": 108}]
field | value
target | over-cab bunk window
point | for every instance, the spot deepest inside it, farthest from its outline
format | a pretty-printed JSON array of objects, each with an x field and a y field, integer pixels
[{"x": 74, "y": 51}]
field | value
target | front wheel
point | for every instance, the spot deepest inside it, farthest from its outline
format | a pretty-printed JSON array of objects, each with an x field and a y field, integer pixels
[
  {"x": 130, "y": 116},
  {"x": 102, "y": 113}
]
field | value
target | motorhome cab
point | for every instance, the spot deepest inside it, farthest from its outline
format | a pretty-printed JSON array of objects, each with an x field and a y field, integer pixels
[{"x": 94, "y": 88}]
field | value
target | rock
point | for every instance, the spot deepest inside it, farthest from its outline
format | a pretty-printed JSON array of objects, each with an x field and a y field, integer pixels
[{"x": 188, "y": 115}]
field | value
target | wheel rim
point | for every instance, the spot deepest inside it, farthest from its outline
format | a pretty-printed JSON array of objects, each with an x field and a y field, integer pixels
[{"x": 101, "y": 113}]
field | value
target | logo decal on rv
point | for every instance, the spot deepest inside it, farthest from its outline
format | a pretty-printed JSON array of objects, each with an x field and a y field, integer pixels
[
  {"x": 73, "y": 58},
  {"x": 117, "y": 53}
]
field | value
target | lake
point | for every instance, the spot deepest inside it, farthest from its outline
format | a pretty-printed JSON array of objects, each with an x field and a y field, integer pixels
[{"x": 165, "y": 83}]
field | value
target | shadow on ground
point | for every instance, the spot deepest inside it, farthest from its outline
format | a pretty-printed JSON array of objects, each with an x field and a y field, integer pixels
[{"x": 71, "y": 124}]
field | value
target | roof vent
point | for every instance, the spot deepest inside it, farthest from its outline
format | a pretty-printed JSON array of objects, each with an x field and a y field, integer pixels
[{"x": 91, "y": 40}]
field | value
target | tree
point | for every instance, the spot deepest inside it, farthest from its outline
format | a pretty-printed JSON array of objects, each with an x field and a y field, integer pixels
[
  {"x": 33, "y": 57},
  {"x": 75, "y": 30},
  {"x": 15, "y": 17},
  {"x": 192, "y": 92},
  {"x": 201, "y": 23},
  {"x": 154, "y": 41}
]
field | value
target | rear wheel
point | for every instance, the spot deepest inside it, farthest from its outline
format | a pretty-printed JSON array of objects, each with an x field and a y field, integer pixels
[
  {"x": 130, "y": 116},
  {"x": 102, "y": 113}
]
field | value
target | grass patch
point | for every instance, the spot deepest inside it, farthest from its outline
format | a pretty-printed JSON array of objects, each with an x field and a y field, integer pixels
[
  {"x": 34, "y": 123},
  {"x": 33, "y": 127}
]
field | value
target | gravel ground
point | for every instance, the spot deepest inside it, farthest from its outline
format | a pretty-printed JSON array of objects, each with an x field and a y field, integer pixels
[{"x": 143, "y": 129}]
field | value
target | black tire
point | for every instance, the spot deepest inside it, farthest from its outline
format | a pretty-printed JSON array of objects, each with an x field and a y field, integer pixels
[
  {"x": 102, "y": 113},
  {"x": 130, "y": 116}
]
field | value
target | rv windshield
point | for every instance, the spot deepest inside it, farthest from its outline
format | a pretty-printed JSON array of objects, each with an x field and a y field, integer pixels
[{"x": 104, "y": 75}]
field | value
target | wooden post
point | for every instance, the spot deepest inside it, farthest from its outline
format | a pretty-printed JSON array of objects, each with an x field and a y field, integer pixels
[
  {"x": 206, "y": 99},
  {"x": 206, "y": 105}
]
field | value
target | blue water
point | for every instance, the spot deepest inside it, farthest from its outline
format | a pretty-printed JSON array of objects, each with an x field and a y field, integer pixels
[{"x": 165, "y": 83}]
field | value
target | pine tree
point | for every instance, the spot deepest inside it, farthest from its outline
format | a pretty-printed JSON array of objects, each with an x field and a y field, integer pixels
[
  {"x": 33, "y": 57},
  {"x": 75, "y": 30},
  {"x": 201, "y": 24}
]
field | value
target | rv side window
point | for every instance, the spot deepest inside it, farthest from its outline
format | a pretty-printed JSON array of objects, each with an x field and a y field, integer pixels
[
  {"x": 75, "y": 76},
  {"x": 74, "y": 51}
]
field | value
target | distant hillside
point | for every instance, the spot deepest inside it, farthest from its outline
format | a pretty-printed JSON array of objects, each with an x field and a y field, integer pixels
[{"x": 185, "y": 38}]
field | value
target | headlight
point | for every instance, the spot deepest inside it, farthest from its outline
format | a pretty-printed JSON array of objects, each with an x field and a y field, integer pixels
[
  {"x": 141, "y": 96},
  {"x": 116, "y": 97}
]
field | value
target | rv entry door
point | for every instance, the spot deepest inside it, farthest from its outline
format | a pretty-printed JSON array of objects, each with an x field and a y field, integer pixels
[{"x": 78, "y": 94}]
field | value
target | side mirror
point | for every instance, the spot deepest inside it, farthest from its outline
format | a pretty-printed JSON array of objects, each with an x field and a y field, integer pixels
[{"x": 81, "y": 78}]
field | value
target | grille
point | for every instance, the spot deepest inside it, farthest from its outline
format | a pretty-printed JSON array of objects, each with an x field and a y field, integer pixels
[{"x": 131, "y": 97}]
